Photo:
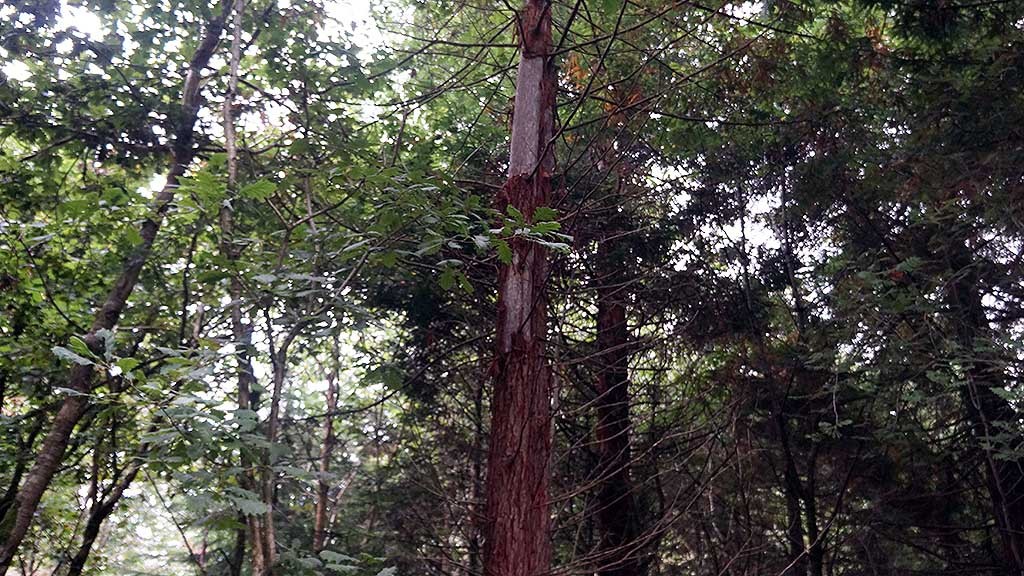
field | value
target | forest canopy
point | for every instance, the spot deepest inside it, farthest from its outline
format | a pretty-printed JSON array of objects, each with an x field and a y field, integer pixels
[{"x": 469, "y": 288}]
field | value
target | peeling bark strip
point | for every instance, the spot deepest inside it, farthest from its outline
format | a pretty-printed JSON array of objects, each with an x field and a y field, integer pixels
[
  {"x": 16, "y": 522},
  {"x": 517, "y": 541}
]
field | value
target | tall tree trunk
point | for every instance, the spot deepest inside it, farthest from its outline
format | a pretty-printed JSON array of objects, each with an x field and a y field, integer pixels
[
  {"x": 16, "y": 522},
  {"x": 279, "y": 362},
  {"x": 793, "y": 491},
  {"x": 517, "y": 541},
  {"x": 473, "y": 566},
  {"x": 241, "y": 333},
  {"x": 326, "y": 451},
  {"x": 994, "y": 421},
  {"x": 816, "y": 546},
  {"x": 619, "y": 551},
  {"x": 7, "y": 500}
]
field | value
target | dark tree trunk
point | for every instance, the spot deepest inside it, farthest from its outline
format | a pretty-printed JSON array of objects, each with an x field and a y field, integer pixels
[
  {"x": 7, "y": 500},
  {"x": 619, "y": 548},
  {"x": 793, "y": 491},
  {"x": 99, "y": 514},
  {"x": 238, "y": 552},
  {"x": 993, "y": 420},
  {"x": 517, "y": 541},
  {"x": 473, "y": 566},
  {"x": 326, "y": 451}
]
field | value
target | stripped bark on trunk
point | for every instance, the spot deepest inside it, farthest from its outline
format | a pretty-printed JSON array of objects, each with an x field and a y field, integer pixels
[{"x": 517, "y": 540}]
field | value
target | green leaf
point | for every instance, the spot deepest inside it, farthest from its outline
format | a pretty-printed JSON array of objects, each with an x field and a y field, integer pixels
[
  {"x": 258, "y": 190},
  {"x": 334, "y": 557},
  {"x": 79, "y": 346},
  {"x": 65, "y": 354},
  {"x": 246, "y": 502},
  {"x": 515, "y": 214},
  {"x": 127, "y": 364},
  {"x": 343, "y": 568},
  {"x": 504, "y": 251},
  {"x": 545, "y": 227},
  {"x": 543, "y": 213},
  {"x": 447, "y": 279},
  {"x": 108, "y": 342}
]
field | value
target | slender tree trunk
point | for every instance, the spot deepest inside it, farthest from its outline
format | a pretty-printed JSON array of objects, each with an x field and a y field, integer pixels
[
  {"x": 793, "y": 491},
  {"x": 816, "y": 548},
  {"x": 238, "y": 552},
  {"x": 241, "y": 333},
  {"x": 279, "y": 361},
  {"x": 619, "y": 551},
  {"x": 326, "y": 451},
  {"x": 517, "y": 540},
  {"x": 7, "y": 500},
  {"x": 16, "y": 522},
  {"x": 99, "y": 514},
  {"x": 473, "y": 566},
  {"x": 993, "y": 419}
]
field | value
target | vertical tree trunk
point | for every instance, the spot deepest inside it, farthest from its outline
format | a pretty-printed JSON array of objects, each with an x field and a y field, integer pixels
[
  {"x": 241, "y": 333},
  {"x": 619, "y": 551},
  {"x": 793, "y": 490},
  {"x": 16, "y": 522},
  {"x": 473, "y": 566},
  {"x": 517, "y": 541},
  {"x": 279, "y": 363},
  {"x": 993, "y": 419},
  {"x": 326, "y": 451},
  {"x": 7, "y": 500}
]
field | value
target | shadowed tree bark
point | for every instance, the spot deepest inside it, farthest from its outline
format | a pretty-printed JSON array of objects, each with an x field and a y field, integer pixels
[
  {"x": 620, "y": 551},
  {"x": 994, "y": 422}
]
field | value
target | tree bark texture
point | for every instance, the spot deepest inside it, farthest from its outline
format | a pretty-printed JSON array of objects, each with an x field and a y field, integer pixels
[
  {"x": 326, "y": 452},
  {"x": 517, "y": 541},
  {"x": 620, "y": 550}
]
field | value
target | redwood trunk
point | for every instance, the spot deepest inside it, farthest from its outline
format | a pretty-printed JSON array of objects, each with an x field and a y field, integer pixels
[
  {"x": 619, "y": 551},
  {"x": 517, "y": 541}
]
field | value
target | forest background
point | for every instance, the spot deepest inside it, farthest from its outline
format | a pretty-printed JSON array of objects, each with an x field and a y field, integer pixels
[{"x": 615, "y": 287}]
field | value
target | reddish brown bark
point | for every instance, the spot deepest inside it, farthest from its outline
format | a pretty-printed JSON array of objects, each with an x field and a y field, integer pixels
[
  {"x": 619, "y": 550},
  {"x": 16, "y": 522},
  {"x": 517, "y": 541}
]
